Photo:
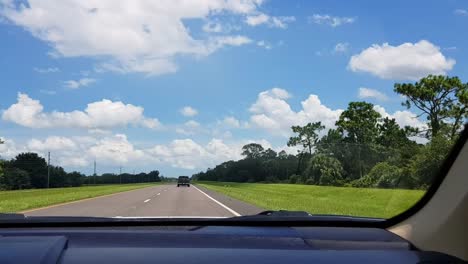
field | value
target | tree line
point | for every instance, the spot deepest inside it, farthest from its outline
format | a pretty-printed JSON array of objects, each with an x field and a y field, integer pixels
[
  {"x": 364, "y": 149},
  {"x": 29, "y": 170}
]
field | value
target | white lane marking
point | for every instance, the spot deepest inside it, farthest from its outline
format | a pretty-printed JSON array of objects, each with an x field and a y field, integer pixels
[
  {"x": 147, "y": 200},
  {"x": 216, "y": 201},
  {"x": 158, "y": 194}
]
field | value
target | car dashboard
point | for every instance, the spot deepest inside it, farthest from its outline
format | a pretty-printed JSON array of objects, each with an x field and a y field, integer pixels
[{"x": 209, "y": 244}]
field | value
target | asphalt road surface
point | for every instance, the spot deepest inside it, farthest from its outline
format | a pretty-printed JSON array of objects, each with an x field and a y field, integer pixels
[{"x": 158, "y": 201}]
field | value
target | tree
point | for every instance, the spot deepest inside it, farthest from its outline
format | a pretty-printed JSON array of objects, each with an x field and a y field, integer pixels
[
  {"x": 359, "y": 121},
  {"x": 252, "y": 151},
  {"x": 269, "y": 154},
  {"x": 154, "y": 176},
  {"x": 282, "y": 155},
  {"x": 307, "y": 136},
  {"x": 14, "y": 179},
  {"x": 358, "y": 124},
  {"x": 426, "y": 164},
  {"x": 382, "y": 175},
  {"x": 34, "y": 165},
  {"x": 391, "y": 134},
  {"x": 324, "y": 170},
  {"x": 441, "y": 98}
]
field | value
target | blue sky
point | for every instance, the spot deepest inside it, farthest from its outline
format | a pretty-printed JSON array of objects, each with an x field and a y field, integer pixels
[{"x": 94, "y": 81}]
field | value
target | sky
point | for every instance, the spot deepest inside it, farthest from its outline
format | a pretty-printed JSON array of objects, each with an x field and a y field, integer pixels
[{"x": 181, "y": 86}]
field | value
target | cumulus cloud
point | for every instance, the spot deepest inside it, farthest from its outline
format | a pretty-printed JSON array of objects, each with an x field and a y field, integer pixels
[
  {"x": 272, "y": 21},
  {"x": 75, "y": 84},
  {"x": 231, "y": 121},
  {"x": 407, "y": 61},
  {"x": 365, "y": 93},
  {"x": 101, "y": 114},
  {"x": 117, "y": 149},
  {"x": 137, "y": 36},
  {"x": 333, "y": 21},
  {"x": 188, "y": 111},
  {"x": 403, "y": 118},
  {"x": 273, "y": 113}
]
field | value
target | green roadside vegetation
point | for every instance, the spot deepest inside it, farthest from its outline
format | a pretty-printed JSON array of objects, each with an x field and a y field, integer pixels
[
  {"x": 21, "y": 200},
  {"x": 368, "y": 202}
]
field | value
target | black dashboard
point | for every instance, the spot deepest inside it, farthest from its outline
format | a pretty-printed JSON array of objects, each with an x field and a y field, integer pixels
[{"x": 211, "y": 244}]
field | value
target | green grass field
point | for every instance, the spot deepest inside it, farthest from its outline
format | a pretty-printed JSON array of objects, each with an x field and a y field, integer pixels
[
  {"x": 17, "y": 201},
  {"x": 383, "y": 203}
]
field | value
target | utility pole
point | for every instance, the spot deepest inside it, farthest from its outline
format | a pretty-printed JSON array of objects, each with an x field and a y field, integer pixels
[{"x": 48, "y": 170}]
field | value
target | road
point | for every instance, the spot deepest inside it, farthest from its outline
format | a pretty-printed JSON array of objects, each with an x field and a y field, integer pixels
[{"x": 157, "y": 201}]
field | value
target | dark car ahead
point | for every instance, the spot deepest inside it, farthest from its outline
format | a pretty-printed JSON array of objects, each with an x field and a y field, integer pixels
[{"x": 183, "y": 180}]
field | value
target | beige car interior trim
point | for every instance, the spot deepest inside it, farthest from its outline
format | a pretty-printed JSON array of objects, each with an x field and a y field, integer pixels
[{"x": 442, "y": 224}]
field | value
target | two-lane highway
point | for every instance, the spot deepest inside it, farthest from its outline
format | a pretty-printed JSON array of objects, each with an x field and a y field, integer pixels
[{"x": 158, "y": 201}]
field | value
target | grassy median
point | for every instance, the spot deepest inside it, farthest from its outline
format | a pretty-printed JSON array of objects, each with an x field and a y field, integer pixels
[
  {"x": 17, "y": 201},
  {"x": 383, "y": 203}
]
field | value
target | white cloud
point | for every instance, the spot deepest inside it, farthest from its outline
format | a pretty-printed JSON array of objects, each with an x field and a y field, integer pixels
[
  {"x": 461, "y": 12},
  {"x": 256, "y": 20},
  {"x": 231, "y": 122},
  {"x": 189, "y": 128},
  {"x": 188, "y": 111},
  {"x": 188, "y": 154},
  {"x": 230, "y": 41},
  {"x": 403, "y": 118},
  {"x": 407, "y": 61},
  {"x": 137, "y": 36},
  {"x": 333, "y": 21},
  {"x": 192, "y": 124},
  {"x": 47, "y": 70},
  {"x": 75, "y": 84},
  {"x": 51, "y": 143},
  {"x": 272, "y": 21},
  {"x": 272, "y": 112},
  {"x": 118, "y": 150},
  {"x": 341, "y": 47},
  {"x": 372, "y": 93},
  {"x": 264, "y": 44},
  {"x": 101, "y": 114}
]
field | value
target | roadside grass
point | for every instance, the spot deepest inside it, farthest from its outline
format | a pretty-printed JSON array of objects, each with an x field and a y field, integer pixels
[
  {"x": 21, "y": 200},
  {"x": 381, "y": 203}
]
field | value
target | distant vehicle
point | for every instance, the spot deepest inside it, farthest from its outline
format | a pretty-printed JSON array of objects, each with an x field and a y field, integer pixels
[{"x": 183, "y": 180}]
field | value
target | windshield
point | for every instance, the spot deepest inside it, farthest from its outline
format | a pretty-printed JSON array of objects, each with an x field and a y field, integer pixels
[{"x": 227, "y": 108}]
